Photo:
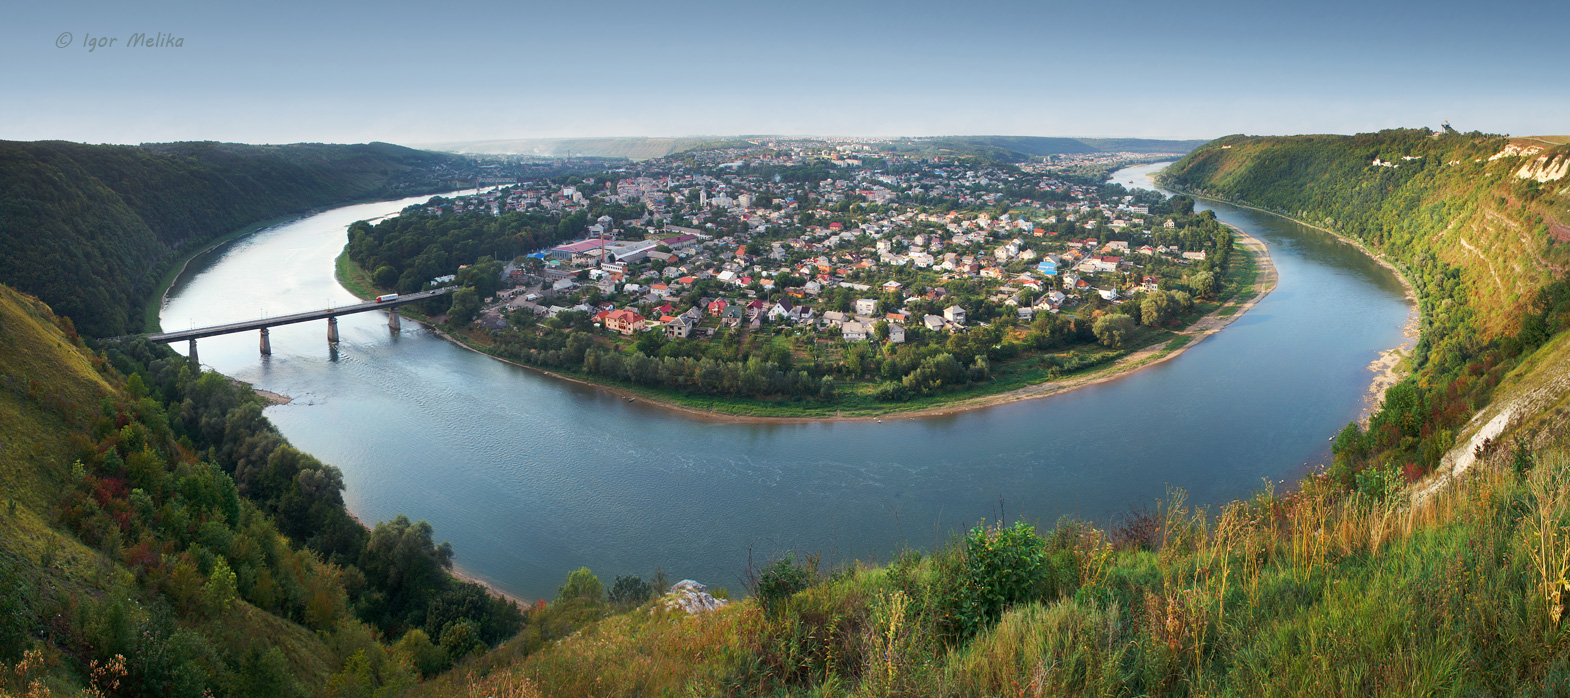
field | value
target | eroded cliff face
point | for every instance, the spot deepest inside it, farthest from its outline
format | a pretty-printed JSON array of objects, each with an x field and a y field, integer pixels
[{"x": 1550, "y": 167}]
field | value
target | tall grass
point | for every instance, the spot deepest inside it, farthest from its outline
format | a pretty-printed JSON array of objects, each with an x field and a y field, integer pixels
[{"x": 1308, "y": 593}]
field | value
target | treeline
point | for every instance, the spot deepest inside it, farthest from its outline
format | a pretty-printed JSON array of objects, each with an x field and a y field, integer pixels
[
  {"x": 89, "y": 229},
  {"x": 181, "y": 481},
  {"x": 407, "y": 251},
  {"x": 1439, "y": 196}
]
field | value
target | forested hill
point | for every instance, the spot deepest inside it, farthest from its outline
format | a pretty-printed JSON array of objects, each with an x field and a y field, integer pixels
[
  {"x": 158, "y": 533},
  {"x": 90, "y": 228},
  {"x": 1477, "y": 223},
  {"x": 1477, "y": 219}
]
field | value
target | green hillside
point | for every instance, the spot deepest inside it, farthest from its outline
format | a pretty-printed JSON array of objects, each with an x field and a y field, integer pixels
[
  {"x": 1429, "y": 558},
  {"x": 1476, "y": 223},
  {"x": 158, "y": 537},
  {"x": 90, "y": 229}
]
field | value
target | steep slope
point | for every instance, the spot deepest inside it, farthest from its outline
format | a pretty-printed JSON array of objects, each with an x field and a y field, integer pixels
[
  {"x": 1476, "y": 223},
  {"x": 87, "y": 228},
  {"x": 157, "y": 533},
  {"x": 1372, "y": 578},
  {"x": 1485, "y": 212}
]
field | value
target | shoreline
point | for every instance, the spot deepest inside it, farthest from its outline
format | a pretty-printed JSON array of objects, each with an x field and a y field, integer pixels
[
  {"x": 151, "y": 309},
  {"x": 1200, "y": 330},
  {"x": 1387, "y": 369},
  {"x": 492, "y": 589}
]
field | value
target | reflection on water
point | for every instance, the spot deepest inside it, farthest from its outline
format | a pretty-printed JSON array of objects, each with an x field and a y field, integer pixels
[{"x": 530, "y": 477}]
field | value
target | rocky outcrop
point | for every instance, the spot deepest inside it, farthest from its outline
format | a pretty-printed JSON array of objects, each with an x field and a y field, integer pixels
[
  {"x": 1546, "y": 168},
  {"x": 692, "y": 597}
]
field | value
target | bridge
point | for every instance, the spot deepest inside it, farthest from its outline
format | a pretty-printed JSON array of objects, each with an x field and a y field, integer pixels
[{"x": 329, "y": 314}]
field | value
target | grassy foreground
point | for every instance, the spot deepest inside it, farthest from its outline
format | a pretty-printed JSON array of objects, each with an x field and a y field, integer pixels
[{"x": 1309, "y": 593}]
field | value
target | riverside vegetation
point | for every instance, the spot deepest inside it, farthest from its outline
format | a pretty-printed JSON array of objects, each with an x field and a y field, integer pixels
[
  {"x": 1017, "y": 330},
  {"x": 124, "y": 573},
  {"x": 159, "y": 535},
  {"x": 1361, "y": 581}
]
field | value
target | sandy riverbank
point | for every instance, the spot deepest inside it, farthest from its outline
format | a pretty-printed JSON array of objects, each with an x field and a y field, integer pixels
[
  {"x": 489, "y": 587},
  {"x": 1264, "y": 282},
  {"x": 269, "y": 396}
]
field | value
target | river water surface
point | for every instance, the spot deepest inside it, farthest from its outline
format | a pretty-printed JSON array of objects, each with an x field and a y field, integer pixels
[{"x": 530, "y": 477}]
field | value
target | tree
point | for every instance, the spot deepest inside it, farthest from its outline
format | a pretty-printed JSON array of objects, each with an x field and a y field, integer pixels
[
  {"x": 630, "y": 591},
  {"x": 222, "y": 589},
  {"x": 427, "y": 658},
  {"x": 1112, "y": 329},
  {"x": 385, "y": 276},
  {"x": 465, "y": 306},
  {"x": 1156, "y": 308},
  {"x": 1203, "y": 283},
  {"x": 581, "y": 584}
]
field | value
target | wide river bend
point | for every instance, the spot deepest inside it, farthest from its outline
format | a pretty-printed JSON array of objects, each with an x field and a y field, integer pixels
[{"x": 530, "y": 477}]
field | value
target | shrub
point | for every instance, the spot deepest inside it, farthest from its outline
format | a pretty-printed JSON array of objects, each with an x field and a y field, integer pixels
[
  {"x": 1000, "y": 567},
  {"x": 781, "y": 580},
  {"x": 426, "y": 656},
  {"x": 461, "y": 639},
  {"x": 581, "y": 584},
  {"x": 630, "y": 590}
]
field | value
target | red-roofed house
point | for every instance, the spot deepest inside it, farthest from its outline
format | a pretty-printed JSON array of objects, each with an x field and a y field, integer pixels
[{"x": 624, "y": 321}]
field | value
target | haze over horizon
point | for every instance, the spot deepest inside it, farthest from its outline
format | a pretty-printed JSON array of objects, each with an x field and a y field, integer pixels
[{"x": 407, "y": 73}]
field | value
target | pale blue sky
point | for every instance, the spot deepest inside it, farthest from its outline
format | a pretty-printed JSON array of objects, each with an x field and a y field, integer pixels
[{"x": 412, "y": 72}]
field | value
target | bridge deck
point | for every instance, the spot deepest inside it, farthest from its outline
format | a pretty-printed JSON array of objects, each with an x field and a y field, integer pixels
[{"x": 248, "y": 325}]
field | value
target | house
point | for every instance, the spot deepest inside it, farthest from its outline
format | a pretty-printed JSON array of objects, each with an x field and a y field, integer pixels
[
  {"x": 781, "y": 311},
  {"x": 717, "y": 307},
  {"x": 892, "y": 286},
  {"x": 680, "y": 327},
  {"x": 624, "y": 321},
  {"x": 896, "y": 333},
  {"x": 1197, "y": 256},
  {"x": 933, "y": 322},
  {"x": 855, "y": 330},
  {"x": 866, "y": 306},
  {"x": 954, "y": 314},
  {"x": 1110, "y": 294}
]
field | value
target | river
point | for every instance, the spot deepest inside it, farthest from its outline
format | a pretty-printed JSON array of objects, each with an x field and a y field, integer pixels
[{"x": 530, "y": 477}]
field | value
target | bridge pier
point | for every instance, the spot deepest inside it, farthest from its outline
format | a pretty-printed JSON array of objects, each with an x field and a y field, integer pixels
[
  {"x": 267, "y": 344},
  {"x": 393, "y": 322},
  {"x": 192, "y": 355},
  {"x": 332, "y": 330}
]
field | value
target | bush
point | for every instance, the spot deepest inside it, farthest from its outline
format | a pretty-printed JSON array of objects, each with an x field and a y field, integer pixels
[
  {"x": 1000, "y": 567},
  {"x": 581, "y": 584},
  {"x": 461, "y": 639},
  {"x": 630, "y": 591},
  {"x": 427, "y": 658},
  {"x": 781, "y": 580}
]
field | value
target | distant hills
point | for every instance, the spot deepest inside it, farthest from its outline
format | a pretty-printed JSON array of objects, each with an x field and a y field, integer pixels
[
  {"x": 629, "y": 148},
  {"x": 1008, "y": 148},
  {"x": 91, "y": 228}
]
